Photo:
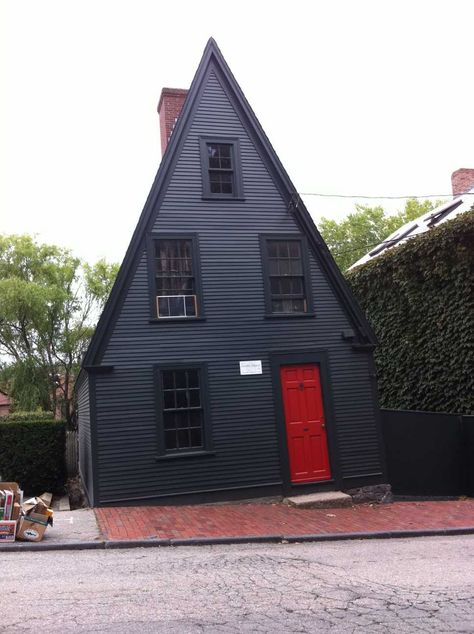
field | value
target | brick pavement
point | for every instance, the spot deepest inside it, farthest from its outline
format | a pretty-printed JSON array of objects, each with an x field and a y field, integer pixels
[{"x": 244, "y": 520}]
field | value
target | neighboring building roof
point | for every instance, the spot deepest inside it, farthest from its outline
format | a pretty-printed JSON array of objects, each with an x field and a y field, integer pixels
[
  {"x": 212, "y": 58},
  {"x": 4, "y": 399},
  {"x": 424, "y": 223}
]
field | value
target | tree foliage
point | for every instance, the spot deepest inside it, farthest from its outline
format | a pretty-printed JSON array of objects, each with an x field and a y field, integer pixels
[
  {"x": 353, "y": 236},
  {"x": 419, "y": 298},
  {"x": 49, "y": 301}
]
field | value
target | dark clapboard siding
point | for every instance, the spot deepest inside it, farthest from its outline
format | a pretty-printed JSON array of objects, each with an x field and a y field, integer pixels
[
  {"x": 84, "y": 430},
  {"x": 244, "y": 432}
]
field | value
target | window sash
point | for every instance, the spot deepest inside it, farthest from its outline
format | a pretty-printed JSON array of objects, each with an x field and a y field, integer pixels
[
  {"x": 183, "y": 422},
  {"x": 220, "y": 167},
  {"x": 174, "y": 278},
  {"x": 188, "y": 305},
  {"x": 285, "y": 269}
]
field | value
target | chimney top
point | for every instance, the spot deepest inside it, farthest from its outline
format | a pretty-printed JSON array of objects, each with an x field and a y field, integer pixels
[
  {"x": 169, "y": 108},
  {"x": 462, "y": 180}
]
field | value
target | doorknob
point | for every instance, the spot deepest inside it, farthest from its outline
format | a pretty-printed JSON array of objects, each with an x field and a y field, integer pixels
[{"x": 323, "y": 425}]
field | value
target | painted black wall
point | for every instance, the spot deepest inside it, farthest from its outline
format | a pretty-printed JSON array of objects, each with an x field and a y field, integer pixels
[
  {"x": 85, "y": 436},
  {"x": 245, "y": 434},
  {"x": 429, "y": 453}
]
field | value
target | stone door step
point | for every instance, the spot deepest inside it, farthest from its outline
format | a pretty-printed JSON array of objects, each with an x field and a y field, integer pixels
[{"x": 329, "y": 499}]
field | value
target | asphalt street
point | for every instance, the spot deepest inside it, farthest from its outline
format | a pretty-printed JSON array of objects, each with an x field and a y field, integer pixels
[{"x": 398, "y": 585}]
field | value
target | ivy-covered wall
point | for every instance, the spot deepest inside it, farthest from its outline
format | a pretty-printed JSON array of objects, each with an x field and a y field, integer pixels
[{"x": 419, "y": 298}]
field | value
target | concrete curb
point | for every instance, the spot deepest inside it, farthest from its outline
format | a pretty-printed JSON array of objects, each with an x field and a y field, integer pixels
[{"x": 249, "y": 539}]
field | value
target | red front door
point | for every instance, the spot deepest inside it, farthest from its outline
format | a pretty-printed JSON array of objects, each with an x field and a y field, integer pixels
[{"x": 305, "y": 423}]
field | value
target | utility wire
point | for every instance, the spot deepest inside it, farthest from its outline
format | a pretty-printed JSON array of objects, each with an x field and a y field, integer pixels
[
  {"x": 366, "y": 247},
  {"x": 383, "y": 197}
]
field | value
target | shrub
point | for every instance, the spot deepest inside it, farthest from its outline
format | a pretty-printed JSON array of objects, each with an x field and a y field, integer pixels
[
  {"x": 419, "y": 298},
  {"x": 20, "y": 416},
  {"x": 32, "y": 454}
]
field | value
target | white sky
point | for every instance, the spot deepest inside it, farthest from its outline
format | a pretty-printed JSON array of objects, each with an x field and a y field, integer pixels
[{"x": 357, "y": 97}]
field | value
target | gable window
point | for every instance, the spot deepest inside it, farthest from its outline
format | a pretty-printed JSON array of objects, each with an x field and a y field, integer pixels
[
  {"x": 182, "y": 409},
  {"x": 220, "y": 163},
  {"x": 173, "y": 265},
  {"x": 286, "y": 270}
]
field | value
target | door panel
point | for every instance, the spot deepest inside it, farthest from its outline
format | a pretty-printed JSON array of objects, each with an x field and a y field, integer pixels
[{"x": 305, "y": 423}]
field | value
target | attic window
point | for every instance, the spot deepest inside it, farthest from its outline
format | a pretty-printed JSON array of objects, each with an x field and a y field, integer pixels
[
  {"x": 173, "y": 264},
  {"x": 220, "y": 164}
]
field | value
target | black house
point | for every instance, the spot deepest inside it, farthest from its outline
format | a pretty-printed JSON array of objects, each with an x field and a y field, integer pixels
[{"x": 231, "y": 359}]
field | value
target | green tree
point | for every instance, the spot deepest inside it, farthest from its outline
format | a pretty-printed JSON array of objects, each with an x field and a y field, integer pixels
[
  {"x": 353, "y": 236},
  {"x": 49, "y": 301}
]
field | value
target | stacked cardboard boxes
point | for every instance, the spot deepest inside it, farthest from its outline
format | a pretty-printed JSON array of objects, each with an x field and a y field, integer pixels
[{"x": 25, "y": 520}]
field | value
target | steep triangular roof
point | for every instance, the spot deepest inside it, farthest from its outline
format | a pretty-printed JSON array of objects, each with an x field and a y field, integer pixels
[{"x": 212, "y": 57}]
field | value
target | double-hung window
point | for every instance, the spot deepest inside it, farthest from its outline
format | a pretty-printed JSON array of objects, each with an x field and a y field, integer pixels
[
  {"x": 183, "y": 414},
  {"x": 220, "y": 163},
  {"x": 286, "y": 272},
  {"x": 174, "y": 277}
]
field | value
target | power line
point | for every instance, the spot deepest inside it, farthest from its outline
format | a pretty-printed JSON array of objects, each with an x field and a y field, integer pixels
[{"x": 383, "y": 197}]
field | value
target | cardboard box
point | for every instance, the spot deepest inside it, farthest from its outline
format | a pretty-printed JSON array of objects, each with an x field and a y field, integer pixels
[
  {"x": 15, "y": 487},
  {"x": 32, "y": 527},
  {"x": 7, "y": 531},
  {"x": 6, "y": 502},
  {"x": 16, "y": 512}
]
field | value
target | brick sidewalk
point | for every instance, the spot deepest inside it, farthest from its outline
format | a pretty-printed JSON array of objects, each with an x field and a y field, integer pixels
[{"x": 244, "y": 520}]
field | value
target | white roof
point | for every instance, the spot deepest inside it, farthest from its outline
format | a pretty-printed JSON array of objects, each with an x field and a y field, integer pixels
[{"x": 428, "y": 221}]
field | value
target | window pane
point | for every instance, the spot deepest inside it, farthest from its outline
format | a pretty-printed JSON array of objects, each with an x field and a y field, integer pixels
[
  {"x": 181, "y": 398},
  {"x": 275, "y": 286},
  {"x": 224, "y": 150},
  {"x": 193, "y": 378},
  {"x": 294, "y": 249},
  {"x": 180, "y": 378},
  {"x": 296, "y": 267},
  {"x": 168, "y": 380},
  {"x": 181, "y": 420},
  {"x": 176, "y": 306},
  {"x": 221, "y": 182},
  {"x": 277, "y": 306},
  {"x": 196, "y": 438},
  {"x": 283, "y": 249},
  {"x": 163, "y": 307},
  {"x": 170, "y": 439},
  {"x": 169, "y": 400},
  {"x": 183, "y": 438},
  {"x": 273, "y": 268},
  {"x": 168, "y": 420},
  {"x": 195, "y": 419},
  {"x": 297, "y": 286},
  {"x": 272, "y": 249},
  {"x": 298, "y": 305},
  {"x": 194, "y": 399},
  {"x": 190, "y": 305}
]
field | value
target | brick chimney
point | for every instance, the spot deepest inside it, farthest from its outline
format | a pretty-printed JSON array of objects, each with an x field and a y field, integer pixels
[
  {"x": 462, "y": 180},
  {"x": 169, "y": 108}
]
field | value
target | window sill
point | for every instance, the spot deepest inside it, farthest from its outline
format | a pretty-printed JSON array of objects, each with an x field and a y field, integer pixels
[
  {"x": 289, "y": 315},
  {"x": 223, "y": 197},
  {"x": 187, "y": 454},
  {"x": 156, "y": 320}
]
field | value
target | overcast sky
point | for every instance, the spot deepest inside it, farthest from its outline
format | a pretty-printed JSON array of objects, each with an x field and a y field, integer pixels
[{"x": 357, "y": 97}]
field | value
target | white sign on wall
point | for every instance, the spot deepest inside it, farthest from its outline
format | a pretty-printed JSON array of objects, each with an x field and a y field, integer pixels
[{"x": 250, "y": 367}]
